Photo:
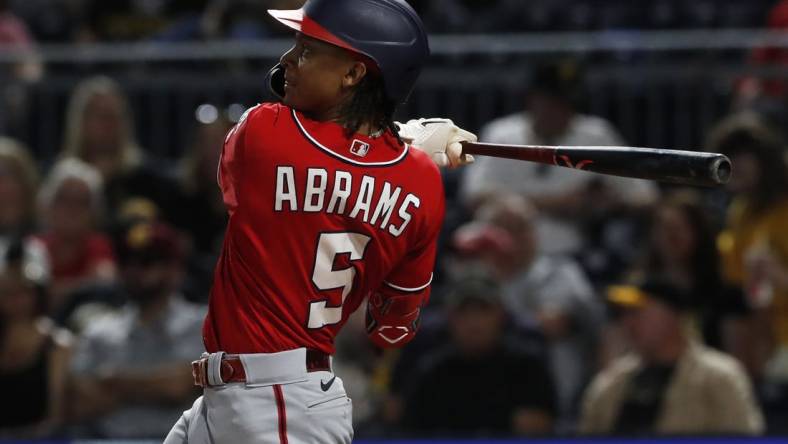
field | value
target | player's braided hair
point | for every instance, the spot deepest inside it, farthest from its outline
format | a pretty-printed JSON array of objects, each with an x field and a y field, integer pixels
[{"x": 369, "y": 105}]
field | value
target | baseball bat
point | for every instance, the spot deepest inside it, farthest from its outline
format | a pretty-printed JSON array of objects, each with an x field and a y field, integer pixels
[{"x": 673, "y": 166}]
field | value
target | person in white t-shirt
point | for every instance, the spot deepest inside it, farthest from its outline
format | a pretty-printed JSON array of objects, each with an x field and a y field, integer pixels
[{"x": 565, "y": 197}]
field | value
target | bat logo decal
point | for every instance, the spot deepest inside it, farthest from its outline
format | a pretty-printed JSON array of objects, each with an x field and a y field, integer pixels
[{"x": 578, "y": 166}]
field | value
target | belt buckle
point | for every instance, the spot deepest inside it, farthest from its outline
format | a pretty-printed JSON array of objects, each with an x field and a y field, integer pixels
[{"x": 199, "y": 372}]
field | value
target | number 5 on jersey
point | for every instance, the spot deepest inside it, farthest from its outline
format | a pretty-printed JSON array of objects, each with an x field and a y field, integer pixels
[{"x": 326, "y": 278}]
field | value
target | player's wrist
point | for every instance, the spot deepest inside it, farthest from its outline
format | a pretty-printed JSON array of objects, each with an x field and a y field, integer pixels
[{"x": 392, "y": 321}]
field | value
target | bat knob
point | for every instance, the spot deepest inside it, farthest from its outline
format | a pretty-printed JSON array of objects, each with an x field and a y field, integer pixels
[{"x": 721, "y": 170}]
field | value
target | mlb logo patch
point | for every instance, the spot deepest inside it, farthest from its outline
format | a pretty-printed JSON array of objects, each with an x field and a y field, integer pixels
[{"x": 359, "y": 148}]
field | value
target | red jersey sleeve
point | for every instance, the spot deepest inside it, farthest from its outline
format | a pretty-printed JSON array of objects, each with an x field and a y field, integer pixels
[
  {"x": 393, "y": 312},
  {"x": 414, "y": 272}
]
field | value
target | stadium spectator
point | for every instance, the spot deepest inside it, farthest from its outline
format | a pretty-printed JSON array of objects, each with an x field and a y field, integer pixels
[
  {"x": 131, "y": 373},
  {"x": 18, "y": 188},
  {"x": 754, "y": 246},
  {"x": 13, "y": 31},
  {"x": 129, "y": 20},
  {"x": 16, "y": 75},
  {"x": 242, "y": 19},
  {"x": 71, "y": 210},
  {"x": 479, "y": 384},
  {"x": 551, "y": 292},
  {"x": 14, "y": 34},
  {"x": 464, "y": 16},
  {"x": 566, "y": 198},
  {"x": 670, "y": 384},
  {"x": 682, "y": 246},
  {"x": 34, "y": 354},
  {"x": 49, "y": 21},
  {"x": 90, "y": 301},
  {"x": 100, "y": 131},
  {"x": 766, "y": 91}
]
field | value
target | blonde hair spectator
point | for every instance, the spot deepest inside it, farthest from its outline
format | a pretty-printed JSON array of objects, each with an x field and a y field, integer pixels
[
  {"x": 18, "y": 187},
  {"x": 77, "y": 170},
  {"x": 100, "y": 128}
]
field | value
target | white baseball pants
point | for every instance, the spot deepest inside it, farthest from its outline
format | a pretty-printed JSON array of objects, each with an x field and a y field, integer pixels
[{"x": 281, "y": 403}]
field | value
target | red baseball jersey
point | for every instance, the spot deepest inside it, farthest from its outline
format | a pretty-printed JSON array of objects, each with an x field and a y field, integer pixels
[{"x": 318, "y": 221}]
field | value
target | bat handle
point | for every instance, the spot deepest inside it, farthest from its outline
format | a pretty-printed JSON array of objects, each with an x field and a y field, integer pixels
[{"x": 467, "y": 150}]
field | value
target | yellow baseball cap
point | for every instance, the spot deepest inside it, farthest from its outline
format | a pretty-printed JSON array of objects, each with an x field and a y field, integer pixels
[
  {"x": 658, "y": 288},
  {"x": 626, "y": 295}
]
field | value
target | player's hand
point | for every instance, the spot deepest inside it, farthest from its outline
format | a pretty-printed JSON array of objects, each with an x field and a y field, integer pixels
[{"x": 440, "y": 138}]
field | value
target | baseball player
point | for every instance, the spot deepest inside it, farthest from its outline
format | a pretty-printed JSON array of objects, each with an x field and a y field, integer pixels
[{"x": 329, "y": 204}]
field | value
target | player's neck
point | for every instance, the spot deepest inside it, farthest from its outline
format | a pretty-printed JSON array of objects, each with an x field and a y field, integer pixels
[
  {"x": 368, "y": 129},
  {"x": 335, "y": 114}
]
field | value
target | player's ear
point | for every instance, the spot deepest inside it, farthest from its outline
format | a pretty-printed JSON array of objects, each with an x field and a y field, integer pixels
[{"x": 355, "y": 72}]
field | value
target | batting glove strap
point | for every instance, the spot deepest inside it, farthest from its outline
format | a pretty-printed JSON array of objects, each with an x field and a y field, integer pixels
[
  {"x": 207, "y": 371},
  {"x": 213, "y": 369}
]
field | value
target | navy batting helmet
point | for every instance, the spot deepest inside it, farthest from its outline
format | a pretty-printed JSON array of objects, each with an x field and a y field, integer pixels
[{"x": 389, "y": 32}]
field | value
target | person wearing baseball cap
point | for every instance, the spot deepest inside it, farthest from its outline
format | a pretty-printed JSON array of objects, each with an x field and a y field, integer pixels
[
  {"x": 477, "y": 288},
  {"x": 549, "y": 291},
  {"x": 644, "y": 291},
  {"x": 517, "y": 396},
  {"x": 156, "y": 328},
  {"x": 670, "y": 383},
  {"x": 567, "y": 198}
]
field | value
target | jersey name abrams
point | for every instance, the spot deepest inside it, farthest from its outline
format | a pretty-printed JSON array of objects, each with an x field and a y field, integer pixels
[{"x": 373, "y": 204}]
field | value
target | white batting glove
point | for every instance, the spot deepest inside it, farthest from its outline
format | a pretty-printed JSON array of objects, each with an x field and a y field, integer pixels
[{"x": 440, "y": 138}]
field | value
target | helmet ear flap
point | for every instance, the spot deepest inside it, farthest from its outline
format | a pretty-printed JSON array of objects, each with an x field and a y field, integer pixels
[{"x": 276, "y": 81}]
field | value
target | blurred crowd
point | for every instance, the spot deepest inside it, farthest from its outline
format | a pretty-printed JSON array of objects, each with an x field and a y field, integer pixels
[
  {"x": 565, "y": 302},
  {"x": 84, "y": 21}
]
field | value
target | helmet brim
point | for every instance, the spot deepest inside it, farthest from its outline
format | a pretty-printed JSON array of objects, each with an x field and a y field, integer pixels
[{"x": 296, "y": 20}]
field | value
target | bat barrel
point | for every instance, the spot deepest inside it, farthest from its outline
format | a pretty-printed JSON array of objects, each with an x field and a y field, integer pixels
[{"x": 673, "y": 166}]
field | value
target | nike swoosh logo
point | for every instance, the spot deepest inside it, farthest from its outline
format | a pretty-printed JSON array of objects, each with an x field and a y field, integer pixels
[
  {"x": 429, "y": 122},
  {"x": 327, "y": 385}
]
